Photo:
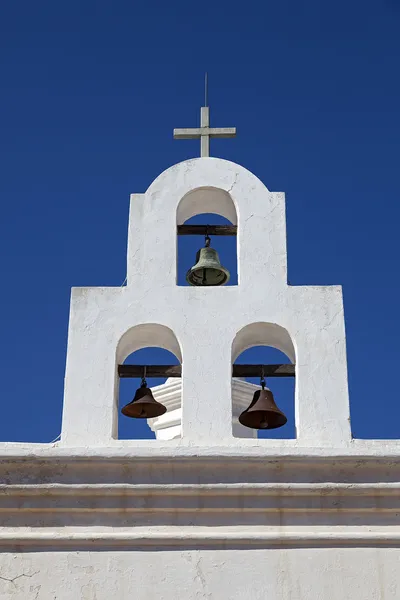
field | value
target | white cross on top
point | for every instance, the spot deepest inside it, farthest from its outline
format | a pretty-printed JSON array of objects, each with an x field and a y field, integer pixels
[{"x": 204, "y": 132}]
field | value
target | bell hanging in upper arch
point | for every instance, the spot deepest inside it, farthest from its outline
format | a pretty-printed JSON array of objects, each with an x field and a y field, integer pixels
[{"x": 207, "y": 270}]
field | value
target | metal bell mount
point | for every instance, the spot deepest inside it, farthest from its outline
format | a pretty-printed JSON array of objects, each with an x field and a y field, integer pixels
[
  {"x": 262, "y": 412},
  {"x": 208, "y": 269},
  {"x": 143, "y": 405}
]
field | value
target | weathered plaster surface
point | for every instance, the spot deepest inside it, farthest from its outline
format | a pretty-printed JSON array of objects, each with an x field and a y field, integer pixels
[
  {"x": 205, "y": 515},
  {"x": 238, "y": 574}
]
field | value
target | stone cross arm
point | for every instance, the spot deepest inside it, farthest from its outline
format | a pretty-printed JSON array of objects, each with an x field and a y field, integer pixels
[{"x": 194, "y": 133}]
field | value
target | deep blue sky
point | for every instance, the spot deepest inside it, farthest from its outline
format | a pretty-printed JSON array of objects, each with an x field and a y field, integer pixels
[{"x": 90, "y": 93}]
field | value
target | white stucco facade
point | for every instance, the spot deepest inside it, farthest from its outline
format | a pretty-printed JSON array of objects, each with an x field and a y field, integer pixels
[
  {"x": 305, "y": 322},
  {"x": 203, "y": 511}
]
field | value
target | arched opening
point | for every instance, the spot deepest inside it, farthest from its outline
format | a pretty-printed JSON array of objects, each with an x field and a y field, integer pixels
[
  {"x": 207, "y": 207},
  {"x": 266, "y": 344},
  {"x": 149, "y": 344},
  {"x": 189, "y": 245}
]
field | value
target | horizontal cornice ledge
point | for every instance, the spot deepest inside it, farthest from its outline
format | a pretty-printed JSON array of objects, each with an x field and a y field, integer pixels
[
  {"x": 131, "y": 451},
  {"x": 189, "y": 537},
  {"x": 216, "y": 489}
]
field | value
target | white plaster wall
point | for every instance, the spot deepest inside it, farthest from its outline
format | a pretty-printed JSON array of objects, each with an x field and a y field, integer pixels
[
  {"x": 257, "y": 574},
  {"x": 205, "y": 321}
]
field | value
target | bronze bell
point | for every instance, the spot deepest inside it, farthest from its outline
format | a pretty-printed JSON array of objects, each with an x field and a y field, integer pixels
[
  {"x": 208, "y": 269},
  {"x": 143, "y": 405},
  {"x": 263, "y": 413}
]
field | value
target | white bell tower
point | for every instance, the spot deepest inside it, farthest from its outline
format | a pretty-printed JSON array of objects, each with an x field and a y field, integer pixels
[
  {"x": 203, "y": 510},
  {"x": 207, "y": 327}
]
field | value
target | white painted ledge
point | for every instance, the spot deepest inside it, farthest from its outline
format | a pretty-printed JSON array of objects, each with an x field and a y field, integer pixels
[
  {"x": 215, "y": 489},
  {"x": 179, "y": 449},
  {"x": 190, "y": 537}
]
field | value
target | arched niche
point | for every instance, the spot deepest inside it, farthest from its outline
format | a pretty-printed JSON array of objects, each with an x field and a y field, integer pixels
[
  {"x": 262, "y": 344},
  {"x": 263, "y": 334},
  {"x": 146, "y": 344},
  {"x": 206, "y": 206},
  {"x": 150, "y": 335}
]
